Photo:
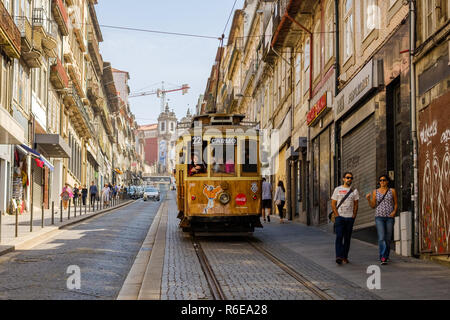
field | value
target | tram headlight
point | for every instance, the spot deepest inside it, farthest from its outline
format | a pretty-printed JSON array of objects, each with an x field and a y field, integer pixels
[{"x": 224, "y": 198}]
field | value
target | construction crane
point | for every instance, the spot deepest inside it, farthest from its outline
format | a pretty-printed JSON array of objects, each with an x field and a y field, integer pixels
[{"x": 161, "y": 93}]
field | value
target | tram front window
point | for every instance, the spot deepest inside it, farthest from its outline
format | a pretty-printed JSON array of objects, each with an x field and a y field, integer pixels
[
  {"x": 250, "y": 156},
  {"x": 223, "y": 157},
  {"x": 197, "y": 165}
]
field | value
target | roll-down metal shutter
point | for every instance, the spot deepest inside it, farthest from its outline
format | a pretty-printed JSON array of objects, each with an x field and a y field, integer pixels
[
  {"x": 359, "y": 157},
  {"x": 37, "y": 185}
]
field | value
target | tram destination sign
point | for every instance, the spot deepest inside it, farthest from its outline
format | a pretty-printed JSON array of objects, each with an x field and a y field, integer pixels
[{"x": 220, "y": 141}]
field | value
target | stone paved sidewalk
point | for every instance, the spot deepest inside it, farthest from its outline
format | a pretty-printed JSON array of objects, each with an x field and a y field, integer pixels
[
  {"x": 8, "y": 237},
  {"x": 310, "y": 250}
]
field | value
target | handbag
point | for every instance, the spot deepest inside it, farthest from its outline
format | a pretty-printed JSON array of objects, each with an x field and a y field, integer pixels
[{"x": 331, "y": 215}]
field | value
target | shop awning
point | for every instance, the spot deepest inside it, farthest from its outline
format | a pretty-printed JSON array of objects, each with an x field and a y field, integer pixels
[
  {"x": 36, "y": 154},
  {"x": 33, "y": 152},
  {"x": 53, "y": 145}
]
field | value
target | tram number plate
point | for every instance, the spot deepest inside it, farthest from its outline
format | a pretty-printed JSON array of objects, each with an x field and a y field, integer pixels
[{"x": 197, "y": 140}]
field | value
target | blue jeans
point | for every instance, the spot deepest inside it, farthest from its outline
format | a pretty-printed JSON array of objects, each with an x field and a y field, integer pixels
[
  {"x": 385, "y": 226},
  {"x": 344, "y": 228}
]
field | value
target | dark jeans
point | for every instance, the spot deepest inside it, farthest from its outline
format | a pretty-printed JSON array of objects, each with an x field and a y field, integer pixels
[
  {"x": 385, "y": 226},
  {"x": 280, "y": 209},
  {"x": 93, "y": 197},
  {"x": 344, "y": 228},
  {"x": 83, "y": 198}
]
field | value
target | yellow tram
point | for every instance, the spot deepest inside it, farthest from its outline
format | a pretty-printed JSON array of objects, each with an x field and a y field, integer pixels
[{"x": 218, "y": 175}]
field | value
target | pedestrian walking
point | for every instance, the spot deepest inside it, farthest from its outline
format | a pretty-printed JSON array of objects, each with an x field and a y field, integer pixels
[
  {"x": 105, "y": 194},
  {"x": 76, "y": 194},
  {"x": 344, "y": 203},
  {"x": 84, "y": 193},
  {"x": 384, "y": 201},
  {"x": 93, "y": 190},
  {"x": 66, "y": 195},
  {"x": 280, "y": 199},
  {"x": 266, "y": 199}
]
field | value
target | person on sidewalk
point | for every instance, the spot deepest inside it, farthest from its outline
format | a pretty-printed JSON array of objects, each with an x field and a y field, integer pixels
[
  {"x": 384, "y": 201},
  {"x": 347, "y": 199},
  {"x": 65, "y": 195},
  {"x": 84, "y": 193},
  {"x": 280, "y": 199},
  {"x": 266, "y": 199},
  {"x": 76, "y": 193},
  {"x": 93, "y": 192},
  {"x": 105, "y": 194}
]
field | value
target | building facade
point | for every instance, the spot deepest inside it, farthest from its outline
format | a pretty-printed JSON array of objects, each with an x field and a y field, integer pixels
[{"x": 330, "y": 84}]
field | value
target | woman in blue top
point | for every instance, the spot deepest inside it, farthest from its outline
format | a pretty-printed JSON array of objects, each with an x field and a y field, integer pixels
[{"x": 384, "y": 201}]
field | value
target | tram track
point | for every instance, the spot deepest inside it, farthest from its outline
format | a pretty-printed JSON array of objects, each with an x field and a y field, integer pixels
[
  {"x": 215, "y": 287},
  {"x": 213, "y": 283}
]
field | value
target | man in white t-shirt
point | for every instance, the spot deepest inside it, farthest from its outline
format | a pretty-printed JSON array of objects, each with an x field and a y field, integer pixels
[{"x": 345, "y": 216}]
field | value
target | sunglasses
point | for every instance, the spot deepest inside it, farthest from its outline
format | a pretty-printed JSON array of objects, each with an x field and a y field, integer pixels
[
  {"x": 383, "y": 180},
  {"x": 349, "y": 178}
]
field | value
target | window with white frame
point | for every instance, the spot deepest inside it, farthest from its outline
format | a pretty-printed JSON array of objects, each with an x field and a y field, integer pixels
[
  {"x": 370, "y": 14},
  {"x": 348, "y": 29},
  {"x": 317, "y": 50},
  {"x": 329, "y": 31},
  {"x": 306, "y": 63}
]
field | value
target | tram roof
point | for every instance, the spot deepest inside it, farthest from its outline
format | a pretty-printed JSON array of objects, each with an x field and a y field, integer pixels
[{"x": 221, "y": 119}]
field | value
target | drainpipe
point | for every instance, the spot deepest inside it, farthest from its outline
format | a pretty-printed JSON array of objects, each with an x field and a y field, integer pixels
[
  {"x": 337, "y": 69},
  {"x": 415, "y": 191}
]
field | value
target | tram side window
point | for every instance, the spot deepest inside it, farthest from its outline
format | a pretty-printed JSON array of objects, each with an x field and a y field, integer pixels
[
  {"x": 223, "y": 158},
  {"x": 249, "y": 154},
  {"x": 197, "y": 162}
]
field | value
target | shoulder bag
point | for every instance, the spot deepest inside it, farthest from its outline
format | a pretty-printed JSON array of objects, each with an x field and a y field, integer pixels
[{"x": 331, "y": 214}]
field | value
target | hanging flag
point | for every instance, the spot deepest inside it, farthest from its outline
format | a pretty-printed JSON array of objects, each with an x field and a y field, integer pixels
[{"x": 39, "y": 163}]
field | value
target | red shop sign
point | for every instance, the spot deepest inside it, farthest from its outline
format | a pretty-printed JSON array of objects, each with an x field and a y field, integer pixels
[
  {"x": 317, "y": 110},
  {"x": 241, "y": 199}
]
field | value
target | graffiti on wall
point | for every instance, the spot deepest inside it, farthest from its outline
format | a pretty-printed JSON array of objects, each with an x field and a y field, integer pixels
[{"x": 434, "y": 174}]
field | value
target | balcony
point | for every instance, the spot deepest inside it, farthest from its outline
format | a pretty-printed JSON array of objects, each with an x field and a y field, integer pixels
[
  {"x": 58, "y": 75},
  {"x": 10, "y": 39},
  {"x": 61, "y": 16},
  {"x": 80, "y": 117},
  {"x": 95, "y": 52},
  {"x": 47, "y": 30},
  {"x": 26, "y": 33},
  {"x": 94, "y": 95},
  {"x": 249, "y": 76}
]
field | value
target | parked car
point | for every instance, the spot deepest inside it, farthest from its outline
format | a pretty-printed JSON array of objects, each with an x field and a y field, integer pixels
[
  {"x": 132, "y": 192},
  {"x": 151, "y": 193}
]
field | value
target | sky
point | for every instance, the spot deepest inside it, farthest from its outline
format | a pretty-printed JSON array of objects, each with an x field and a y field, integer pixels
[{"x": 151, "y": 58}]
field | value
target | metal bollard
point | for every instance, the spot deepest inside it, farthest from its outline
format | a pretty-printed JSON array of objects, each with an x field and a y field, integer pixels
[
  {"x": 97, "y": 203},
  {"x": 85, "y": 207},
  {"x": 31, "y": 219},
  {"x": 42, "y": 218},
  {"x": 61, "y": 211},
  {"x": 68, "y": 212},
  {"x": 53, "y": 212},
  {"x": 17, "y": 222},
  {"x": 75, "y": 208}
]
